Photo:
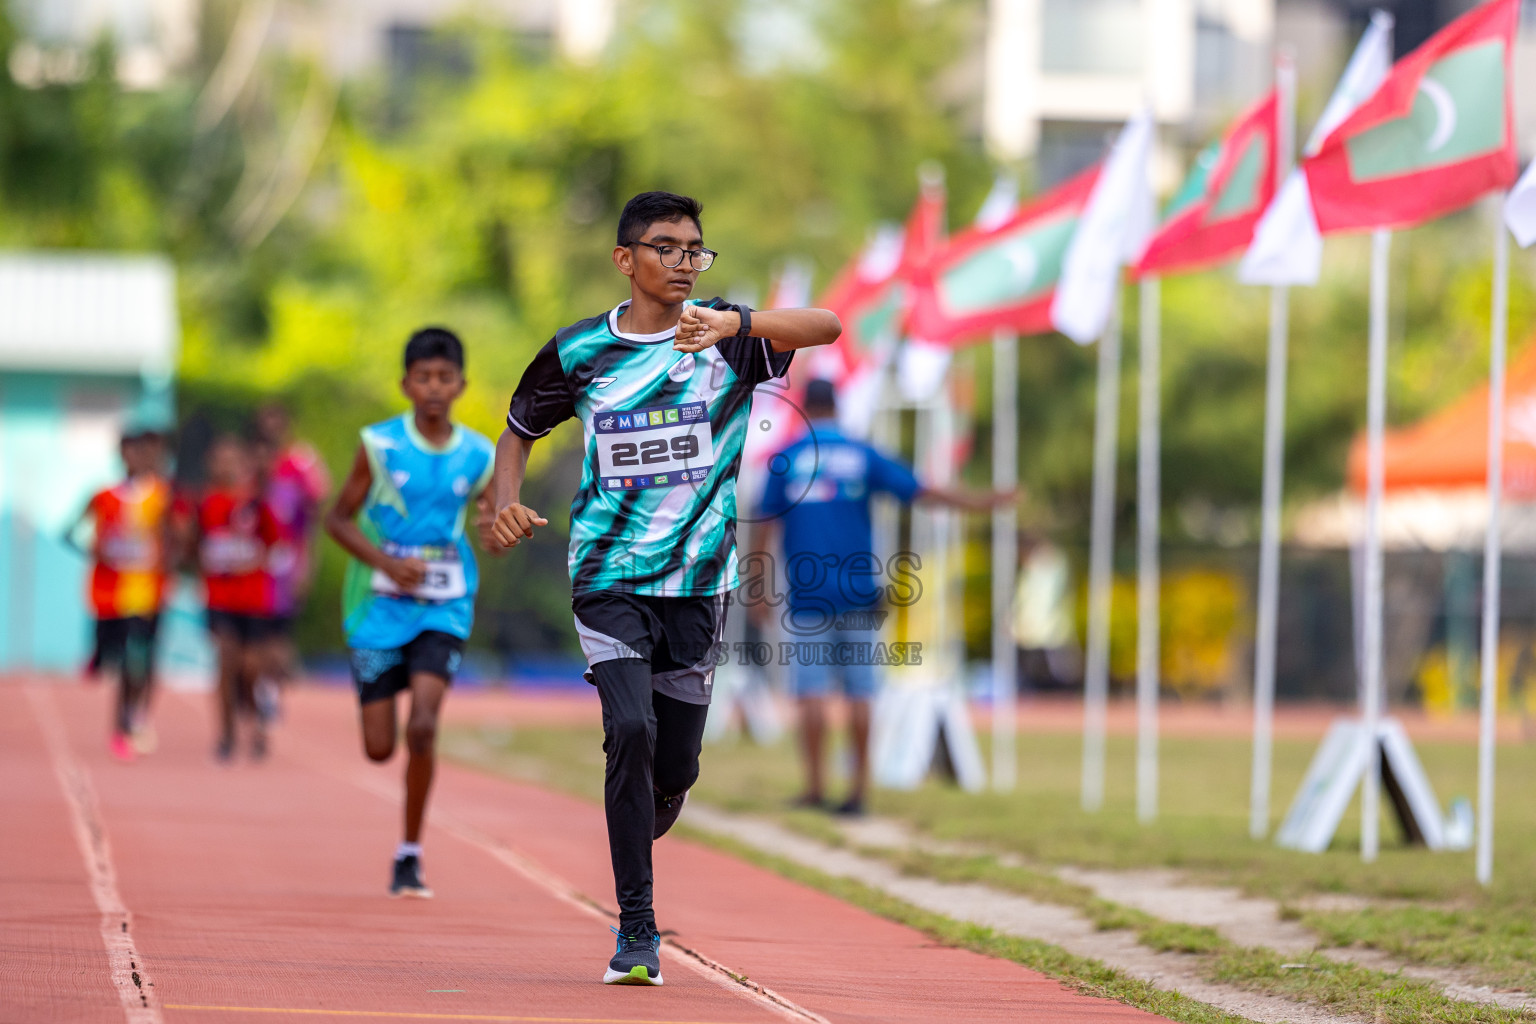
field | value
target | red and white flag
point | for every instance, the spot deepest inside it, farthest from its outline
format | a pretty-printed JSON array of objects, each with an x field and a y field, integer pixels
[
  {"x": 873, "y": 297},
  {"x": 1287, "y": 246},
  {"x": 1213, "y": 216},
  {"x": 1437, "y": 134},
  {"x": 1112, "y": 233},
  {"x": 1002, "y": 272},
  {"x": 1434, "y": 135}
]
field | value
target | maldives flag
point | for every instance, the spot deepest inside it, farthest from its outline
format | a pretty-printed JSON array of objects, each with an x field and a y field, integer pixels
[
  {"x": 1003, "y": 276},
  {"x": 873, "y": 294},
  {"x": 1437, "y": 134},
  {"x": 1214, "y": 214},
  {"x": 873, "y": 298}
]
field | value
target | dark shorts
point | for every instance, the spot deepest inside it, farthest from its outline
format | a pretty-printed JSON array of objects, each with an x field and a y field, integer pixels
[
  {"x": 380, "y": 674},
  {"x": 279, "y": 627},
  {"x": 679, "y": 636},
  {"x": 114, "y": 638},
  {"x": 245, "y": 629}
]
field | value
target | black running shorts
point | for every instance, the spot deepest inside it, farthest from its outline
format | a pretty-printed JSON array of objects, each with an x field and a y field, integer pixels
[
  {"x": 113, "y": 637},
  {"x": 246, "y": 629},
  {"x": 380, "y": 674},
  {"x": 679, "y": 636}
]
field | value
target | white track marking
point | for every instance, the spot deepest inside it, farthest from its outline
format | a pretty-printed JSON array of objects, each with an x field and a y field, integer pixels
[
  {"x": 129, "y": 975},
  {"x": 572, "y": 897}
]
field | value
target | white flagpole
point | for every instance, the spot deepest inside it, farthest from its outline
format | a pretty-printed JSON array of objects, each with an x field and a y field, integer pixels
[
  {"x": 1376, "y": 409},
  {"x": 1148, "y": 573},
  {"x": 1101, "y": 559},
  {"x": 1274, "y": 482},
  {"x": 1491, "y": 568},
  {"x": 1005, "y": 397}
]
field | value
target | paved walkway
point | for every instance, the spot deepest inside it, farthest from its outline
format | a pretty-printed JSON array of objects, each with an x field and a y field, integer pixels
[{"x": 175, "y": 890}]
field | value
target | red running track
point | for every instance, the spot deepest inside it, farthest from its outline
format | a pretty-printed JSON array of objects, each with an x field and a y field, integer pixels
[{"x": 174, "y": 891}]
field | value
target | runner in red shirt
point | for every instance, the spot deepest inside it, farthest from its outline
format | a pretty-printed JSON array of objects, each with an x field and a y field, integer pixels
[
  {"x": 128, "y": 582},
  {"x": 294, "y": 483},
  {"x": 229, "y": 532}
]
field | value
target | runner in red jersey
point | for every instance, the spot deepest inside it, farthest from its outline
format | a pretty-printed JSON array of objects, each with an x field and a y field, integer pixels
[
  {"x": 229, "y": 532},
  {"x": 294, "y": 482},
  {"x": 128, "y": 582}
]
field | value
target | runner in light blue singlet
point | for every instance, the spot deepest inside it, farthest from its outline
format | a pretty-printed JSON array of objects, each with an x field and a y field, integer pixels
[{"x": 417, "y": 508}]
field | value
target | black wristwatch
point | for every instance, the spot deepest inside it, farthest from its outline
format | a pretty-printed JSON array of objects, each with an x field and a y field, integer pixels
[{"x": 745, "y": 330}]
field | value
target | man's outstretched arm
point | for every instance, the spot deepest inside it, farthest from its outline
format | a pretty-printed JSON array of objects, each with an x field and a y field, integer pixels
[
  {"x": 966, "y": 499},
  {"x": 514, "y": 521}
]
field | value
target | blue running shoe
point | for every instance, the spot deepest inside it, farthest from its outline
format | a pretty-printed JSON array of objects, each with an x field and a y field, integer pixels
[{"x": 637, "y": 961}]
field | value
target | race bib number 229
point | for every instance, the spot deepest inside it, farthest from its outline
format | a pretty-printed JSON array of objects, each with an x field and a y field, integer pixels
[{"x": 660, "y": 447}]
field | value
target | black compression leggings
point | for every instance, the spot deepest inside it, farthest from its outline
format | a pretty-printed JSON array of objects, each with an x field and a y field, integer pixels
[{"x": 652, "y": 742}]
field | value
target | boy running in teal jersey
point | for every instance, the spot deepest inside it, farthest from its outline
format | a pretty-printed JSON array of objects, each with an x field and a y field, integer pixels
[
  {"x": 662, "y": 386},
  {"x": 409, "y": 598}
]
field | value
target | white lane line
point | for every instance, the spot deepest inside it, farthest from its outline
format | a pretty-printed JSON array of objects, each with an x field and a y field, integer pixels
[
  {"x": 129, "y": 975},
  {"x": 568, "y": 894}
]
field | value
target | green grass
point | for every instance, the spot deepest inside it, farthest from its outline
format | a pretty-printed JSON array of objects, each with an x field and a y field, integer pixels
[{"x": 1429, "y": 907}]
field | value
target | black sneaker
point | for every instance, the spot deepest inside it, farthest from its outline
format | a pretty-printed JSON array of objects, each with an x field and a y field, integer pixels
[
  {"x": 637, "y": 961},
  {"x": 224, "y": 750},
  {"x": 667, "y": 810},
  {"x": 853, "y": 807},
  {"x": 407, "y": 881}
]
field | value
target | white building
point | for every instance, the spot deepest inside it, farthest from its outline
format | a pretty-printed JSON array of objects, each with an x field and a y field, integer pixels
[
  {"x": 1061, "y": 75},
  {"x": 154, "y": 38}
]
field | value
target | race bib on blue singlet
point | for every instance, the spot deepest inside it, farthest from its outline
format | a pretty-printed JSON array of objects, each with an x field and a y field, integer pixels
[
  {"x": 660, "y": 447},
  {"x": 444, "y": 579}
]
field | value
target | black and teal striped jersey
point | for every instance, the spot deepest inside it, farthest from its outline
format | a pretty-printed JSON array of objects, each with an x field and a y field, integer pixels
[{"x": 663, "y": 431}]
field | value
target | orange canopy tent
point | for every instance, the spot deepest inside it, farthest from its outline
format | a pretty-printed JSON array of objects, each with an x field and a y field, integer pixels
[{"x": 1449, "y": 450}]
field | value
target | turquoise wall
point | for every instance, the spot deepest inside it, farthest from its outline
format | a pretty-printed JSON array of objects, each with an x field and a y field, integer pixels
[{"x": 58, "y": 444}]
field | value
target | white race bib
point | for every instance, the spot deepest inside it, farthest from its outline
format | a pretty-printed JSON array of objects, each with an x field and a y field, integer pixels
[
  {"x": 130, "y": 553},
  {"x": 228, "y": 554},
  {"x": 660, "y": 447},
  {"x": 444, "y": 580}
]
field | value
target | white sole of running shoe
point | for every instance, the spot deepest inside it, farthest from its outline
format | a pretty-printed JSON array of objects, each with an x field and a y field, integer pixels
[
  {"x": 411, "y": 894},
  {"x": 637, "y": 975}
]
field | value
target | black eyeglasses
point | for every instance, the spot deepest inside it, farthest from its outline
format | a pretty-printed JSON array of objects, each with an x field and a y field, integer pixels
[{"x": 699, "y": 259}]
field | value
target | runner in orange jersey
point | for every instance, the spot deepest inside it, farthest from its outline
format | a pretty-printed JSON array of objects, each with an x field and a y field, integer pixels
[{"x": 128, "y": 582}]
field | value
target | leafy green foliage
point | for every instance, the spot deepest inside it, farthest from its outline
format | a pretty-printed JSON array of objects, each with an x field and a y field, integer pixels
[{"x": 480, "y": 190}]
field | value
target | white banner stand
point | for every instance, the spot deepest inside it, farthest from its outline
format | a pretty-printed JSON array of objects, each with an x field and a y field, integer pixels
[
  {"x": 910, "y": 715},
  {"x": 1339, "y": 767}
]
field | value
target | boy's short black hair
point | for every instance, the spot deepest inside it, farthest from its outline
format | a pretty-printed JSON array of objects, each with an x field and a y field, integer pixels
[
  {"x": 434, "y": 343},
  {"x": 647, "y": 208}
]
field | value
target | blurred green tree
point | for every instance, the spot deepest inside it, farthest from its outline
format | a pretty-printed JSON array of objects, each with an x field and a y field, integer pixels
[{"x": 316, "y": 225}]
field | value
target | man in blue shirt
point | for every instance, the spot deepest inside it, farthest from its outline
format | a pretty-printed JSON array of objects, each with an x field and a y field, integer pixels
[{"x": 819, "y": 488}]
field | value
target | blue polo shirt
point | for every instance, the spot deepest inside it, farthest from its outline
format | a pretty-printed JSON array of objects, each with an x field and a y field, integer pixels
[{"x": 819, "y": 489}]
